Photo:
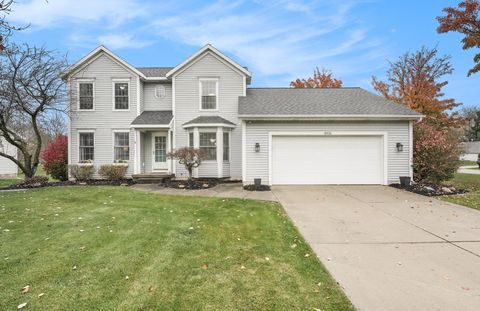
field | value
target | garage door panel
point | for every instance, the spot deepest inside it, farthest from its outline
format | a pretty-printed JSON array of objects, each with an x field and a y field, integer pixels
[{"x": 327, "y": 160}]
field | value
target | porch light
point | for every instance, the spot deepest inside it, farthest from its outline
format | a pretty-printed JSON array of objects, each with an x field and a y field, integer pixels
[
  {"x": 257, "y": 147},
  {"x": 399, "y": 147}
]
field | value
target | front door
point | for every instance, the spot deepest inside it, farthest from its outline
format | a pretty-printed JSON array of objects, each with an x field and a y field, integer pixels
[{"x": 159, "y": 150}]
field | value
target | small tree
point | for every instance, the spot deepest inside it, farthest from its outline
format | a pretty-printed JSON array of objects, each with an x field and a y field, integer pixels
[
  {"x": 189, "y": 157},
  {"x": 55, "y": 158},
  {"x": 435, "y": 153},
  {"x": 321, "y": 80}
]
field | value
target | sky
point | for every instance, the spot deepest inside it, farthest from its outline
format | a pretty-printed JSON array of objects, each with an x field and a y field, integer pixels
[{"x": 278, "y": 41}]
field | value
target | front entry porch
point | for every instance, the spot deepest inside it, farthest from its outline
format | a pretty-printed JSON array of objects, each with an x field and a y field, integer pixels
[{"x": 152, "y": 149}]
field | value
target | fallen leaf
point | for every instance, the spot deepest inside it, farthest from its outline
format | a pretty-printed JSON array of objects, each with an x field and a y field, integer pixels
[
  {"x": 40, "y": 295},
  {"x": 293, "y": 245},
  {"x": 82, "y": 248},
  {"x": 74, "y": 268},
  {"x": 205, "y": 266},
  {"x": 151, "y": 288},
  {"x": 267, "y": 259},
  {"x": 126, "y": 277},
  {"x": 25, "y": 289},
  {"x": 307, "y": 255},
  {"x": 22, "y": 305},
  {"x": 242, "y": 267}
]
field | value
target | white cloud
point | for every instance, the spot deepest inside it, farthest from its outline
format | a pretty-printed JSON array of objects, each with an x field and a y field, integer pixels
[{"x": 60, "y": 13}]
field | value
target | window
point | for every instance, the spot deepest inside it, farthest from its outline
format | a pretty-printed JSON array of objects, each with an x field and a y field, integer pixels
[
  {"x": 86, "y": 146},
  {"x": 190, "y": 139},
  {"x": 226, "y": 146},
  {"x": 160, "y": 91},
  {"x": 121, "y": 96},
  {"x": 208, "y": 94},
  {"x": 85, "y": 92},
  {"x": 208, "y": 144},
  {"x": 121, "y": 148}
]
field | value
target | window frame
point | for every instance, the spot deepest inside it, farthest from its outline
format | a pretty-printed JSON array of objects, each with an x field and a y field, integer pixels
[
  {"x": 155, "y": 93},
  {"x": 79, "y": 146},
  {"x": 216, "y": 80},
  {"x": 115, "y": 81},
  {"x": 191, "y": 139},
  {"x": 214, "y": 146},
  {"x": 86, "y": 81},
  {"x": 228, "y": 146},
  {"x": 113, "y": 143}
]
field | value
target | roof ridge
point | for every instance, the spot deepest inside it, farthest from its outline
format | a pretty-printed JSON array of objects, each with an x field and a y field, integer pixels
[
  {"x": 303, "y": 88},
  {"x": 163, "y": 67}
]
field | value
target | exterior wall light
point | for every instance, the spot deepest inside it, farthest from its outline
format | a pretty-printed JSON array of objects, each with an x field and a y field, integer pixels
[
  {"x": 399, "y": 147},
  {"x": 257, "y": 147}
]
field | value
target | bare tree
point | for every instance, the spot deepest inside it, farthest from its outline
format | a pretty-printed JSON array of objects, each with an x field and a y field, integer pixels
[
  {"x": 31, "y": 92},
  {"x": 5, "y": 27}
]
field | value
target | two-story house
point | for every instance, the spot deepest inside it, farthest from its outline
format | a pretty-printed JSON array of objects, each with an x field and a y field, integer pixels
[{"x": 122, "y": 113}]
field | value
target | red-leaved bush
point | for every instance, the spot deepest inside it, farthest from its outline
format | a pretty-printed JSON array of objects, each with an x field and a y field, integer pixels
[
  {"x": 435, "y": 154},
  {"x": 55, "y": 158}
]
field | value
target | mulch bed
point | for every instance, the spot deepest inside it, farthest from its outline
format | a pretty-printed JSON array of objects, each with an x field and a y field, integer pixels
[
  {"x": 96, "y": 182},
  {"x": 431, "y": 190},
  {"x": 256, "y": 188},
  {"x": 193, "y": 184}
]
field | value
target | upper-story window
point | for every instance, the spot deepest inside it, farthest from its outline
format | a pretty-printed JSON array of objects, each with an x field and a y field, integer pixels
[
  {"x": 208, "y": 94},
  {"x": 85, "y": 96},
  {"x": 160, "y": 91},
  {"x": 121, "y": 96}
]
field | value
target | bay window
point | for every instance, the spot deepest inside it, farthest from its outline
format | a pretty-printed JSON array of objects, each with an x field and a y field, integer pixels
[{"x": 208, "y": 144}]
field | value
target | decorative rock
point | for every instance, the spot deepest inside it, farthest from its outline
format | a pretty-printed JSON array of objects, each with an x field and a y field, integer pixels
[
  {"x": 429, "y": 189},
  {"x": 446, "y": 190},
  {"x": 181, "y": 186},
  {"x": 205, "y": 185}
]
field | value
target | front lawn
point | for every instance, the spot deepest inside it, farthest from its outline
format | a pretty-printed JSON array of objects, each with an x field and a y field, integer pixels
[
  {"x": 470, "y": 182},
  {"x": 113, "y": 248}
]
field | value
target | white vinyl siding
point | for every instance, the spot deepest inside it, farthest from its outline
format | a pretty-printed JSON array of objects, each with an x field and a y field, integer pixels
[
  {"x": 187, "y": 92},
  {"x": 257, "y": 163},
  {"x": 7, "y": 167},
  {"x": 103, "y": 71},
  {"x": 152, "y": 101}
]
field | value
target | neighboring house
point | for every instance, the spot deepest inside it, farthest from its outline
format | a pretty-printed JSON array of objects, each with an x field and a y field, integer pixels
[
  {"x": 281, "y": 135},
  {"x": 471, "y": 150},
  {"x": 8, "y": 169}
]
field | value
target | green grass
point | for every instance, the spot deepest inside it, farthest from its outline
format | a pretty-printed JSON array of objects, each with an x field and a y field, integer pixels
[
  {"x": 179, "y": 253},
  {"x": 468, "y": 163},
  {"x": 471, "y": 182}
]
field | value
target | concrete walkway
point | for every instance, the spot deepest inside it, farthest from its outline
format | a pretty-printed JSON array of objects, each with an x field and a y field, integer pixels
[
  {"x": 469, "y": 170},
  {"x": 390, "y": 249},
  {"x": 229, "y": 190}
]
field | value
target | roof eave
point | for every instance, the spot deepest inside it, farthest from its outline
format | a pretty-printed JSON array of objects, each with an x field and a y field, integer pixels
[{"x": 328, "y": 117}]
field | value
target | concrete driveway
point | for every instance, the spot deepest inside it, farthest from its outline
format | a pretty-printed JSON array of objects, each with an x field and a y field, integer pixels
[{"x": 389, "y": 249}]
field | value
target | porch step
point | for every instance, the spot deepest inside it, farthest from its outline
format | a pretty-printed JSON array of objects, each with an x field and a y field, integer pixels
[{"x": 151, "y": 178}]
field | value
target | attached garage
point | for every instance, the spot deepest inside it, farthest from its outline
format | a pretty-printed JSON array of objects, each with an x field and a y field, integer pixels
[
  {"x": 313, "y": 159},
  {"x": 324, "y": 136}
]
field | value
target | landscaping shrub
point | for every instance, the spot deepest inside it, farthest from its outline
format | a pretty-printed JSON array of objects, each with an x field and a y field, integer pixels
[
  {"x": 189, "y": 157},
  {"x": 113, "y": 172},
  {"x": 81, "y": 172},
  {"x": 435, "y": 155},
  {"x": 55, "y": 158},
  {"x": 36, "y": 180}
]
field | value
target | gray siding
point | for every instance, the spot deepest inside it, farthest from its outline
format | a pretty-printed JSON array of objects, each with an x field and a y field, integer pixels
[
  {"x": 258, "y": 131},
  {"x": 103, "y": 119},
  {"x": 187, "y": 108},
  {"x": 7, "y": 167},
  {"x": 151, "y": 102}
]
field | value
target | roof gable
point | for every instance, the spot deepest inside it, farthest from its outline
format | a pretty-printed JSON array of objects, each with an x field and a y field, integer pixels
[
  {"x": 206, "y": 49},
  {"x": 93, "y": 55}
]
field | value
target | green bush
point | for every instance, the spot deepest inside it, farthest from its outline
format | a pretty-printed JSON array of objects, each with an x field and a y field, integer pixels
[
  {"x": 81, "y": 172},
  {"x": 113, "y": 172}
]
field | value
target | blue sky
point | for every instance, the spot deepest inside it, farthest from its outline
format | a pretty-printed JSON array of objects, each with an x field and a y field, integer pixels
[{"x": 277, "y": 40}]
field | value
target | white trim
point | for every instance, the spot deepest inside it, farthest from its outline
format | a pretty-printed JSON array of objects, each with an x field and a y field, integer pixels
[
  {"x": 208, "y": 47},
  {"x": 196, "y": 145},
  {"x": 155, "y": 91},
  {"x": 244, "y": 91},
  {"x": 383, "y": 134},
  {"x": 69, "y": 142},
  {"x": 113, "y": 142},
  {"x": 314, "y": 117},
  {"x": 85, "y": 81},
  {"x": 190, "y": 125},
  {"x": 229, "y": 145},
  {"x": 410, "y": 149},
  {"x": 78, "y": 144},
  {"x": 244, "y": 151},
  {"x": 200, "y": 80},
  {"x": 137, "y": 151},
  {"x": 150, "y": 126},
  {"x": 219, "y": 152},
  {"x": 99, "y": 49},
  {"x": 138, "y": 97},
  {"x": 123, "y": 80},
  {"x": 174, "y": 140}
]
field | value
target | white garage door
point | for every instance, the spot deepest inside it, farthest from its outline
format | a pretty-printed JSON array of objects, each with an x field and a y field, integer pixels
[{"x": 327, "y": 160}]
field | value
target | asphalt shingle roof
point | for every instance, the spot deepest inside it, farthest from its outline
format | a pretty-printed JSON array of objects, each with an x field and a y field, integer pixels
[
  {"x": 340, "y": 101},
  {"x": 154, "y": 118},
  {"x": 154, "y": 71},
  {"x": 209, "y": 120}
]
